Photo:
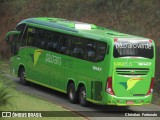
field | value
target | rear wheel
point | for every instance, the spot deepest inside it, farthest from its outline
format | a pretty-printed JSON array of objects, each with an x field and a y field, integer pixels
[
  {"x": 22, "y": 77},
  {"x": 72, "y": 94},
  {"x": 82, "y": 97}
]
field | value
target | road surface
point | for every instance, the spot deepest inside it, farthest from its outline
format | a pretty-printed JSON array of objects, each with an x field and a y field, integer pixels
[{"x": 93, "y": 112}]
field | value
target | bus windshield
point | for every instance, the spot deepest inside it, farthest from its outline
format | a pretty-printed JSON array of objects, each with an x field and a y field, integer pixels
[{"x": 133, "y": 48}]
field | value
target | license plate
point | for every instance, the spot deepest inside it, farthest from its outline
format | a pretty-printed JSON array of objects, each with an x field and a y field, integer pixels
[{"x": 130, "y": 102}]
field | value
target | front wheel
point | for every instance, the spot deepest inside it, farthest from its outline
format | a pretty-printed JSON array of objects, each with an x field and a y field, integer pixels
[
  {"x": 22, "y": 77},
  {"x": 82, "y": 97}
]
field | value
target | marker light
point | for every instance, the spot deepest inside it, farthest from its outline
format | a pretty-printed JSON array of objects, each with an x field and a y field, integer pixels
[
  {"x": 115, "y": 39},
  {"x": 151, "y": 87},
  {"x": 109, "y": 86},
  {"x": 83, "y": 26},
  {"x": 150, "y": 41}
]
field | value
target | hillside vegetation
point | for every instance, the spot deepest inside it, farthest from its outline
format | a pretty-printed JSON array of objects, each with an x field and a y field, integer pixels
[{"x": 137, "y": 17}]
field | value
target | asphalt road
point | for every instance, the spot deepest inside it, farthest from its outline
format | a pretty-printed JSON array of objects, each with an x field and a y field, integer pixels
[{"x": 94, "y": 112}]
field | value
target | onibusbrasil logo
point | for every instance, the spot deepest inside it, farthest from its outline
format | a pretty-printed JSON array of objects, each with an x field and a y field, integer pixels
[{"x": 130, "y": 83}]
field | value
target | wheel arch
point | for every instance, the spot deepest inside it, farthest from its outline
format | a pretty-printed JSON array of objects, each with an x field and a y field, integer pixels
[
  {"x": 77, "y": 85},
  {"x": 82, "y": 98},
  {"x": 19, "y": 68},
  {"x": 81, "y": 84},
  {"x": 69, "y": 82}
]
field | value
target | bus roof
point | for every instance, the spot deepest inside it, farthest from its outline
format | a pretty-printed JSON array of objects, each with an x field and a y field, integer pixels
[{"x": 83, "y": 29}]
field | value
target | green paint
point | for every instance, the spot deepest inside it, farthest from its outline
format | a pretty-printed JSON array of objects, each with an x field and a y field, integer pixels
[{"x": 60, "y": 90}]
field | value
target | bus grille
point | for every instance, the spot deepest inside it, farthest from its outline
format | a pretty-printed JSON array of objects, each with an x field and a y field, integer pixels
[{"x": 132, "y": 71}]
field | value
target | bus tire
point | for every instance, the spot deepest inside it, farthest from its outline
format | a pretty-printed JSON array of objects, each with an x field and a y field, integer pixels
[
  {"x": 72, "y": 93},
  {"x": 82, "y": 97},
  {"x": 22, "y": 77}
]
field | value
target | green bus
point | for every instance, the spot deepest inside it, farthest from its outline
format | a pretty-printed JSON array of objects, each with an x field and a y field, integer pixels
[{"x": 87, "y": 62}]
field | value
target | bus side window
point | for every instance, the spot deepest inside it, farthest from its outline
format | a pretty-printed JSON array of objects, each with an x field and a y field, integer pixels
[
  {"x": 101, "y": 50},
  {"x": 90, "y": 51},
  {"x": 49, "y": 41},
  {"x": 62, "y": 41},
  {"x": 77, "y": 48},
  {"x": 23, "y": 37},
  {"x": 36, "y": 38},
  {"x": 55, "y": 40},
  {"x": 40, "y": 38},
  {"x": 31, "y": 37},
  {"x": 50, "y": 45},
  {"x": 14, "y": 45},
  {"x": 43, "y": 39},
  {"x": 65, "y": 45}
]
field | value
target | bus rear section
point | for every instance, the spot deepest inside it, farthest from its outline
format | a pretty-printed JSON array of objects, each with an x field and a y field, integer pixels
[{"x": 132, "y": 78}]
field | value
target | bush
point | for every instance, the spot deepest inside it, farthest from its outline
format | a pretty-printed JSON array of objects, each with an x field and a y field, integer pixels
[{"x": 5, "y": 91}]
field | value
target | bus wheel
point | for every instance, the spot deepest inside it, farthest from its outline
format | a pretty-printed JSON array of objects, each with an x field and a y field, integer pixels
[
  {"x": 72, "y": 94},
  {"x": 22, "y": 77},
  {"x": 82, "y": 97}
]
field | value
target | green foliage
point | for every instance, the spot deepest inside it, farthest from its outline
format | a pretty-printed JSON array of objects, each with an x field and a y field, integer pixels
[{"x": 5, "y": 91}]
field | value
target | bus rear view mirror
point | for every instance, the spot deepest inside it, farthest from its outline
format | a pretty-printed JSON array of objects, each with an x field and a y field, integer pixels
[{"x": 10, "y": 36}]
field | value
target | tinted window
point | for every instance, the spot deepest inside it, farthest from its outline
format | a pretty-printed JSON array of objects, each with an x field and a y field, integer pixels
[
  {"x": 31, "y": 37},
  {"x": 55, "y": 39},
  {"x": 101, "y": 50},
  {"x": 23, "y": 38},
  {"x": 90, "y": 51},
  {"x": 95, "y": 51},
  {"x": 42, "y": 39},
  {"x": 77, "y": 47},
  {"x": 64, "y": 45},
  {"x": 15, "y": 44},
  {"x": 136, "y": 49},
  {"x": 50, "y": 38}
]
